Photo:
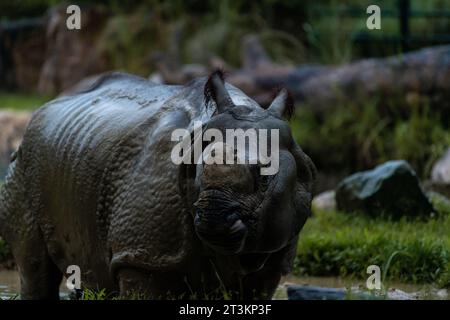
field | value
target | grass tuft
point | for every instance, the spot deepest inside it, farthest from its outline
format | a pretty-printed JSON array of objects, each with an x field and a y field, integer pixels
[{"x": 21, "y": 101}]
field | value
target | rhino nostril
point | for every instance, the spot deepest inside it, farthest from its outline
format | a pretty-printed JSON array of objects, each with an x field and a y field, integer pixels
[{"x": 229, "y": 240}]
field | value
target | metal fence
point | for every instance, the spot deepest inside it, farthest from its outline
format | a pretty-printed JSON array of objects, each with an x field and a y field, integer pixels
[{"x": 405, "y": 15}]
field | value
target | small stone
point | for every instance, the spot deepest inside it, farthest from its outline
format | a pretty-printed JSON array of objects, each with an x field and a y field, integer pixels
[
  {"x": 325, "y": 201},
  {"x": 396, "y": 294},
  {"x": 442, "y": 293},
  {"x": 441, "y": 170},
  {"x": 440, "y": 175}
]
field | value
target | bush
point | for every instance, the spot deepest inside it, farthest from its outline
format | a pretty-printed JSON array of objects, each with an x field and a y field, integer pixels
[
  {"x": 21, "y": 101},
  {"x": 351, "y": 138}
]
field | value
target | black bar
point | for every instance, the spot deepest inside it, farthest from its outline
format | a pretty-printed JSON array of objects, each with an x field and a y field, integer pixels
[
  {"x": 404, "y": 23},
  {"x": 222, "y": 310}
]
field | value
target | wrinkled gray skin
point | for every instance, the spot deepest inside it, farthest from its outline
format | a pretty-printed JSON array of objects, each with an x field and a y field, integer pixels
[{"x": 93, "y": 185}]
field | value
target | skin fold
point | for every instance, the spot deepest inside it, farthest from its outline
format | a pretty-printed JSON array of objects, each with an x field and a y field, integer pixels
[{"x": 92, "y": 185}]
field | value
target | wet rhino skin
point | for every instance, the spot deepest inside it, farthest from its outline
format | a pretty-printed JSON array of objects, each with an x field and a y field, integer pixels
[{"x": 92, "y": 185}]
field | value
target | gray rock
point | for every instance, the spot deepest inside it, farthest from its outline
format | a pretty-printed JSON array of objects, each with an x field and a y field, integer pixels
[
  {"x": 325, "y": 201},
  {"x": 391, "y": 189},
  {"x": 442, "y": 294},
  {"x": 298, "y": 292},
  {"x": 441, "y": 170}
]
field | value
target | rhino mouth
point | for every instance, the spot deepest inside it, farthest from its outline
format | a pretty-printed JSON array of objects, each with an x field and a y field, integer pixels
[
  {"x": 222, "y": 237},
  {"x": 218, "y": 223}
]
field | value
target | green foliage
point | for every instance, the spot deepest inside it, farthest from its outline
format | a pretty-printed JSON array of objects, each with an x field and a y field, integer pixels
[
  {"x": 330, "y": 44},
  {"x": 16, "y": 9},
  {"x": 338, "y": 244},
  {"x": 21, "y": 101},
  {"x": 352, "y": 137},
  {"x": 219, "y": 26},
  {"x": 421, "y": 139},
  {"x": 89, "y": 294},
  {"x": 191, "y": 36}
]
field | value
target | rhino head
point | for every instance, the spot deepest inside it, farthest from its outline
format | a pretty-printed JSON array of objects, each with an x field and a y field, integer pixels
[{"x": 238, "y": 209}]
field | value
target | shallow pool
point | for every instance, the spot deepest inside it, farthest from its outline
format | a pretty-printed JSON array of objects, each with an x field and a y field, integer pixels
[{"x": 10, "y": 286}]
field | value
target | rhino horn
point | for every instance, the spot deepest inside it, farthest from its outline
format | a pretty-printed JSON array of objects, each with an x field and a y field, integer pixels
[{"x": 215, "y": 90}]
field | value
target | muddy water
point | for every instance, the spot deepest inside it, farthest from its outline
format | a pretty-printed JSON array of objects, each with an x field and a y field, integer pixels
[
  {"x": 412, "y": 291},
  {"x": 9, "y": 283},
  {"x": 10, "y": 286}
]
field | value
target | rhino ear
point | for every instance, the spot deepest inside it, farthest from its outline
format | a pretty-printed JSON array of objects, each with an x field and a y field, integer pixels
[
  {"x": 215, "y": 90},
  {"x": 283, "y": 104}
]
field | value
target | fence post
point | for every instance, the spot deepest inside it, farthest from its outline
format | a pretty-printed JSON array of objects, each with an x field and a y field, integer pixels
[{"x": 404, "y": 7}]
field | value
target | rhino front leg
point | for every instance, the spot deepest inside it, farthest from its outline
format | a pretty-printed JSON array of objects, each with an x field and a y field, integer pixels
[
  {"x": 39, "y": 277},
  {"x": 263, "y": 283}
]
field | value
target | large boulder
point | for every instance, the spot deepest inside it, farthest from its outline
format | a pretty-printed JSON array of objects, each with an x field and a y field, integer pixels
[
  {"x": 13, "y": 125},
  {"x": 72, "y": 55},
  {"x": 325, "y": 201},
  {"x": 440, "y": 175},
  {"x": 22, "y": 53},
  {"x": 391, "y": 189}
]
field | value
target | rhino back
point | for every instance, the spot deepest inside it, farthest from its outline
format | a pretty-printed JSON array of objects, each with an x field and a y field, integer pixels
[
  {"x": 66, "y": 150},
  {"x": 99, "y": 177}
]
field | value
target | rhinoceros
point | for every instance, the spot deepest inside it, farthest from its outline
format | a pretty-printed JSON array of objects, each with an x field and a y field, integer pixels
[{"x": 93, "y": 185}]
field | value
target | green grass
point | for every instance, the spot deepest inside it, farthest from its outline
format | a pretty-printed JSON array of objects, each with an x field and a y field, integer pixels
[
  {"x": 338, "y": 244},
  {"x": 21, "y": 101},
  {"x": 89, "y": 294}
]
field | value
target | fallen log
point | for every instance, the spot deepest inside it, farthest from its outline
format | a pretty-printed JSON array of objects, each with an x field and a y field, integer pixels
[{"x": 419, "y": 76}]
